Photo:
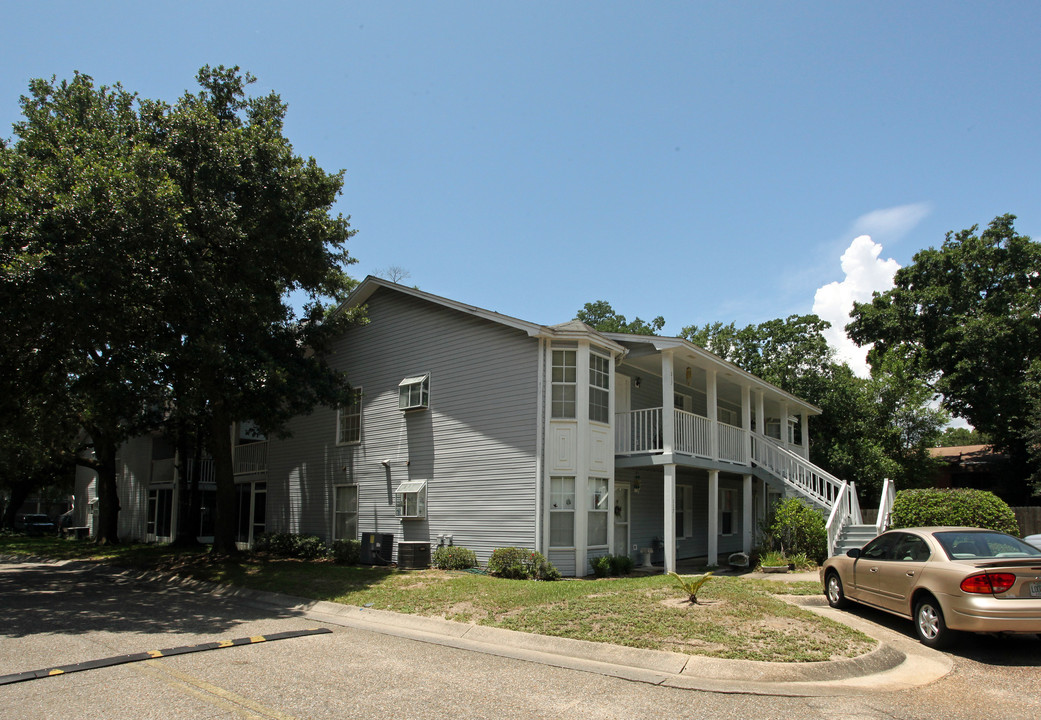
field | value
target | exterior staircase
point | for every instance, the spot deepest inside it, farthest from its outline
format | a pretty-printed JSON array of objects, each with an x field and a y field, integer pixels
[
  {"x": 854, "y": 536},
  {"x": 836, "y": 497}
]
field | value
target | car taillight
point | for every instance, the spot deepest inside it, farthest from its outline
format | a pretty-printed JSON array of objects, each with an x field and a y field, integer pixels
[{"x": 988, "y": 583}]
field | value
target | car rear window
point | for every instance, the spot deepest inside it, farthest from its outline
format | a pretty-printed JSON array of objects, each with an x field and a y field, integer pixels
[{"x": 960, "y": 545}]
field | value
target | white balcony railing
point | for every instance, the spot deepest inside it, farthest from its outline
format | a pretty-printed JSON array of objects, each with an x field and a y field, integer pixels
[
  {"x": 250, "y": 458},
  {"x": 732, "y": 444},
  {"x": 640, "y": 431}
]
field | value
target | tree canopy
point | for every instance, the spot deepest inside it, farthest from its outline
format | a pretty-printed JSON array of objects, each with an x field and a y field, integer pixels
[
  {"x": 968, "y": 315},
  {"x": 601, "y": 316},
  {"x": 148, "y": 252}
]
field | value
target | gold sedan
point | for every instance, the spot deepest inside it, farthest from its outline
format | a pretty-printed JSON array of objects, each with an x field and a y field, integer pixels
[{"x": 944, "y": 579}]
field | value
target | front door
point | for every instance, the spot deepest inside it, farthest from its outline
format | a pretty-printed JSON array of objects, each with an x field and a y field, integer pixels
[{"x": 621, "y": 519}]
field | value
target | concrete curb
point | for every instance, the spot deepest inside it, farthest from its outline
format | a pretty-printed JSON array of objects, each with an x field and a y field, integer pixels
[{"x": 898, "y": 663}]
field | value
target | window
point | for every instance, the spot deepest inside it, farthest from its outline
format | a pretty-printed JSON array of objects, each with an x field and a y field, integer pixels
[
  {"x": 410, "y": 499},
  {"x": 562, "y": 512},
  {"x": 596, "y": 533},
  {"x": 564, "y": 379},
  {"x": 414, "y": 393},
  {"x": 348, "y": 420},
  {"x": 599, "y": 388},
  {"x": 727, "y": 526},
  {"x": 728, "y": 415},
  {"x": 684, "y": 511},
  {"x": 345, "y": 512}
]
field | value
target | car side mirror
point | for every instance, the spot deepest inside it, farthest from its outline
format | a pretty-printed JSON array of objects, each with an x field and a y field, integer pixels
[{"x": 853, "y": 553}]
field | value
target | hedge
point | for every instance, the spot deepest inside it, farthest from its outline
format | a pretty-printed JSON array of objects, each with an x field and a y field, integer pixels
[{"x": 956, "y": 506}]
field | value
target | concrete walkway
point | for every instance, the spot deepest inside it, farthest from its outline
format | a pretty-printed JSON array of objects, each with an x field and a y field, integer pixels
[{"x": 898, "y": 663}]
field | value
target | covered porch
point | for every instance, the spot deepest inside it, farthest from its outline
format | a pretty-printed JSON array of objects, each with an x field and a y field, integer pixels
[{"x": 704, "y": 448}]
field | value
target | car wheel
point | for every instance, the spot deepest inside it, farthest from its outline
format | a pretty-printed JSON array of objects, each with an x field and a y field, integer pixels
[
  {"x": 833, "y": 590},
  {"x": 930, "y": 626}
]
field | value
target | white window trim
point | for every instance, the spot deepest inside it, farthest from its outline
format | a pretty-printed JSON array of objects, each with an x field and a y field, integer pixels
[
  {"x": 401, "y": 493},
  {"x": 354, "y": 512},
  {"x": 406, "y": 386},
  {"x": 685, "y": 507},
  {"x": 564, "y": 383},
  {"x": 341, "y": 414},
  {"x": 732, "y": 493},
  {"x": 570, "y": 510},
  {"x": 603, "y": 509},
  {"x": 605, "y": 374}
]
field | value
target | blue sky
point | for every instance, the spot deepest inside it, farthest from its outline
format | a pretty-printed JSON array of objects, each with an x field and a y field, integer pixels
[{"x": 704, "y": 161}]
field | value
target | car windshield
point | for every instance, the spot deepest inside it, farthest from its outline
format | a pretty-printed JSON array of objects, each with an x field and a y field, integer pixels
[{"x": 961, "y": 545}]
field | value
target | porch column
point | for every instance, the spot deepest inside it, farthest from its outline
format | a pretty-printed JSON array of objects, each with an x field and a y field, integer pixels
[
  {"x": 670, "y": 518},
  {"x": 760, "y": 413},
  {"x": 713, "y": 415},
  {"x": 713, "y": 517},
  {"x": 746, "y": 516},
  {"x": 784, "y": 426},
  {"x": 804, "y": 425},
  {"x": 746, "y": 421},
  {"x": 668, "y": 415}
]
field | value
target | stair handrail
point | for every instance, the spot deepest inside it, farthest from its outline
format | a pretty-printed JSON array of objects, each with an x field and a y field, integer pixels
[
  {"x": 795, "y": 470},
  {"x": 885, "y": 506},
  {"x": 838, "y": 518}
]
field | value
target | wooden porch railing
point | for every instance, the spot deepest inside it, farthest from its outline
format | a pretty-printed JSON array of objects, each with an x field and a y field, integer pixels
[{"x": 250, "y": 458}]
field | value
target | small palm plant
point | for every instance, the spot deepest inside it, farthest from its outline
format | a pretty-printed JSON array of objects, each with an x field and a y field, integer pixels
[{"x": 691, "y": 584}]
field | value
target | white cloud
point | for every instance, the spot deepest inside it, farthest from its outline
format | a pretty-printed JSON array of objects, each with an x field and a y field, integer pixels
[
  {"x": 891, "y": 224},
  {"x": 865, "y": 273}
]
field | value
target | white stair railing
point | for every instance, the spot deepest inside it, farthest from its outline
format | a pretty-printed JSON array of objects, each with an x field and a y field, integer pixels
[
  {"x": 815, "y": 483},
  {"x": 885, "y": 505}
]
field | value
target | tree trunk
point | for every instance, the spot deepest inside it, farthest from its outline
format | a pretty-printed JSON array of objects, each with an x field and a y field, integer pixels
[
  {"x": 187, "y": 493},
  {"x": 104, "y": 463},
  {"x": 226, "y": 523}
]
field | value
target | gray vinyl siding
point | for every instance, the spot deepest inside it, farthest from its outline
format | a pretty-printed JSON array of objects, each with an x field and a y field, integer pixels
[
  {"x": 475, "y": 445},
  {"x": 564, "y": 561},
  {"x": 133, "y": 474},
  {"x": 647, "y": 512}
]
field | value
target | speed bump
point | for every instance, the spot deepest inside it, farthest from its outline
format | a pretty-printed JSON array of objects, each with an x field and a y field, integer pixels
[{"x": 153, "y": 654}]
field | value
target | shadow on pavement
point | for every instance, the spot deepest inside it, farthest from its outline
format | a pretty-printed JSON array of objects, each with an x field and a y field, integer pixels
[{"x": 49, "y": 599}]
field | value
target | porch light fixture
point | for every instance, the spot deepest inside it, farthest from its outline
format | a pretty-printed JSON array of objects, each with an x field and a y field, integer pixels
[
  {"x": 689, "y": 374},
  {"x": 636, "y": 484},
  {"x": 636, "y": 382}
]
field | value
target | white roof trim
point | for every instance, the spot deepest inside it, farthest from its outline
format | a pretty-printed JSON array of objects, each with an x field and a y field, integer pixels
[{"x": 371, "y": 284}]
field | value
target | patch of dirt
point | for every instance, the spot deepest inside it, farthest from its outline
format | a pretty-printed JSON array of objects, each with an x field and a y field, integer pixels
[
  {"x": 674, "y": 602},
  {"x": 464, "y": 609}
]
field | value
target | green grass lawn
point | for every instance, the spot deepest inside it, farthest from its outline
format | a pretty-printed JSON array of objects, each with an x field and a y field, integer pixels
[{"x": 736, "y": 618}]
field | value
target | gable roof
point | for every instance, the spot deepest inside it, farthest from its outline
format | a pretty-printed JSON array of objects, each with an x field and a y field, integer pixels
[{"x": 569, "y": 330}]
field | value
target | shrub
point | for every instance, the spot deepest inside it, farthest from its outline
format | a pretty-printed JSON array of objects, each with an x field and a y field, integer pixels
[
  {"x": 290, "y": 545},
  {"x": 346, "y": 552},
  {"x": 601, "y": 566},
  {"x": 621, "y": 564},
  {"x": 521, "y": 564},
  {"x": 956, "y": 506},
  {"x": 454, "y": 557},
  {"x": 795, "y": 528}
]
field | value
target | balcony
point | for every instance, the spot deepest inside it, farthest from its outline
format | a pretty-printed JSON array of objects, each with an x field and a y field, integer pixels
[
  {"x": 250, "y": 458},
  {"x": 641, "y": 432}
]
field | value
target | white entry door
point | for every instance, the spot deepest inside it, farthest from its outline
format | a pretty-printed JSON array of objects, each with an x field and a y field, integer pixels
[{"x": 621, "y": 519}]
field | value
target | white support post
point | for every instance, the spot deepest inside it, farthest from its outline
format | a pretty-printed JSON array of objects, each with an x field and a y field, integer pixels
[
  {"x": 713, "y": 517},
  {"x": 746, "y": 515},
  {"x": 760, "y": 413},
  {"x": 713, "y": 414},
  {"x": 746, "y": 422},
  {"x": 804, "y": 426},
  {"x": 784, "y": 426},
  {"x": 668, "y": 415},
  {"x": 670, "y": 518}
]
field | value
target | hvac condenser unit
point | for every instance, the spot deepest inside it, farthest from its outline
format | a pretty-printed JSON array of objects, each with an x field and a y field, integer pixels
[
  {"x": 377, "y": 548},
  {"x": 413, "y": 555}
]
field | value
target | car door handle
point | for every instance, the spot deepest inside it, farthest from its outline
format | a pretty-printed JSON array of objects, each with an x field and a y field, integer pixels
[
  {"x": 874, "y": 569},
  {"x": 910, "y": 573}
]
